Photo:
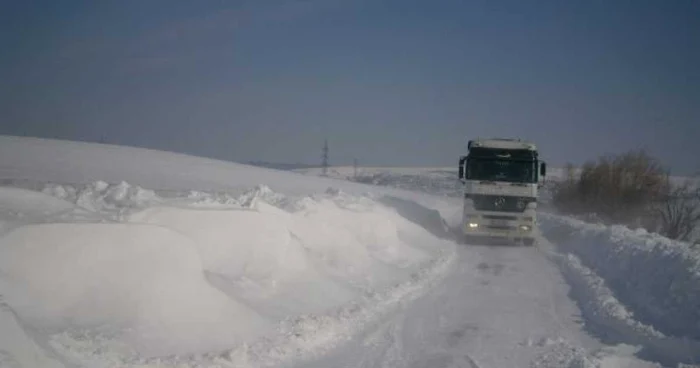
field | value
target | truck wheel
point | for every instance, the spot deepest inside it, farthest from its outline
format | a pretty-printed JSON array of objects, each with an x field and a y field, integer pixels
[{"x": 528, "y": 242}]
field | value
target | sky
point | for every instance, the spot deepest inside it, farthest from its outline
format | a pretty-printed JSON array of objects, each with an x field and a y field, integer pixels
[{"x": 387, "y": 82}]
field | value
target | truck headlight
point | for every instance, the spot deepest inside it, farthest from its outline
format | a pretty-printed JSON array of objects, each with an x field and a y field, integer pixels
[
  {"x": 525, "y": 227},
  {"x": 473, "y": 225}
]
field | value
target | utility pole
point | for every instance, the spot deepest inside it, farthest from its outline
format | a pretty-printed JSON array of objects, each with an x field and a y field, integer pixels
[
  {"x": 324, "y": 163},
  {"x": 354, "y": 168}
]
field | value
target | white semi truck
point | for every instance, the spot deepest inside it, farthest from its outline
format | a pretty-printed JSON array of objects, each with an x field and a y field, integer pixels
[{"x": 500, "y": 178}]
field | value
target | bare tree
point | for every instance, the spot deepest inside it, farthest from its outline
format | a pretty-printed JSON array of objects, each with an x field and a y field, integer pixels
[{"x": 679, "y": 212}]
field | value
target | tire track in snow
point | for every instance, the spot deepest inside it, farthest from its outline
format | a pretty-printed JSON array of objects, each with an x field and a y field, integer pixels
[{"x": 466, "y": 323}]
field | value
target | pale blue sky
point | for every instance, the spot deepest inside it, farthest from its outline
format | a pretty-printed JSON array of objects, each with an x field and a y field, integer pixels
[{"x": 389, "y": 82}]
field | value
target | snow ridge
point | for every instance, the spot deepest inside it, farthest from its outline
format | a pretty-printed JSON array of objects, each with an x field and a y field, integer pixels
[
  {"x": 596, "y": 250},
  {"x": 614, "y": 323},
  {"x": 657, "y": 278}
]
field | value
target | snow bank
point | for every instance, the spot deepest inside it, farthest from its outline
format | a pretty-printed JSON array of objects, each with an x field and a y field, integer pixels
[
  {"x": 143, "y": 283},
  {"x": 296, "y": 340},
  {"x": 21, "y": 206},
  {"x": 100, "y": 196},
  {"x": 302, "y": 256},
  {"x": 253, "y": 256},
  {"x": 656, "y": 278},
  {"x": 205, "y": 272},
  {"x": 31, "y": 203},
  {"x": 17, "y": 348},
  {"x": 613, "y": 322}
]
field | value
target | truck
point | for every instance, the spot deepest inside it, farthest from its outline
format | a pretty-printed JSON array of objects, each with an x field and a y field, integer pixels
[{"x": 500, "y": 178}]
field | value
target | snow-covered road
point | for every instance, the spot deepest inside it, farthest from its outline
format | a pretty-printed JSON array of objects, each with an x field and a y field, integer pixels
[{"x": 498, "y": 307}]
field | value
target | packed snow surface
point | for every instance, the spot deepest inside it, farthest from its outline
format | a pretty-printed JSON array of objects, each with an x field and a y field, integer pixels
[{"x": 115, "y": 256}]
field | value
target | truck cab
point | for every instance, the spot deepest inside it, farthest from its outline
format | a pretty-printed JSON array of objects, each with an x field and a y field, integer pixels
[{"x": 500, "y": 179}]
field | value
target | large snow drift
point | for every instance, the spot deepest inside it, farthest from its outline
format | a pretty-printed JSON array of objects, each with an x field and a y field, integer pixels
[
  {"x": 144, "y": 280},
  {"x": 152, "y": 276}
]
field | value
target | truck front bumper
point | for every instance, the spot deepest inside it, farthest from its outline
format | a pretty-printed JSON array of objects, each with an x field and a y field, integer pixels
[{"x": 499, "y": 226}]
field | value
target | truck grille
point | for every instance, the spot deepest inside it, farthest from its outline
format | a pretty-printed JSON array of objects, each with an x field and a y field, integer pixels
[
  {"x": 500, "y": 203},
  {"x": 500, "y": 217},
  {"x": 500, "y": 227}
]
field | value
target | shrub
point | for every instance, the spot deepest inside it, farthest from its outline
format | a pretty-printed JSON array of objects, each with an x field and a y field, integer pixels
[{"x": 623, "y": 189}]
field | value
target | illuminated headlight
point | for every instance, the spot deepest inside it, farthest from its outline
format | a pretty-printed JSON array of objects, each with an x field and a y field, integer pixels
[
  {"x": 473, "y": 225},
  {"x": 525, "y": 227}
]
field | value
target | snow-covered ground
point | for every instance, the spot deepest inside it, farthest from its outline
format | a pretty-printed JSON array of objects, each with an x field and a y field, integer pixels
[{"x": 114, "y": 256}]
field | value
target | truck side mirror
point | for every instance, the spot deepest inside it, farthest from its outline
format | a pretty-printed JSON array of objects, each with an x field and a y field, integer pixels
[
  {"x": 543, "y": 169},
  {"x": 462, "y": 160}
]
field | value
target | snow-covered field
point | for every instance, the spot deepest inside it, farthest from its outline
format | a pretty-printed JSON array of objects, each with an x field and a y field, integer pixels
[{"x": 122, "y": 257}]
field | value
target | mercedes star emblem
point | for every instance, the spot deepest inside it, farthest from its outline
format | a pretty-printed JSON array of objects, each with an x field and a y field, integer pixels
[{"x": 499, "y": 202}]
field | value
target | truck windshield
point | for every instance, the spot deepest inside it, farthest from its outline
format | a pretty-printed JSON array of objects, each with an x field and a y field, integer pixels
[{"x": 501, "y": 170}]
